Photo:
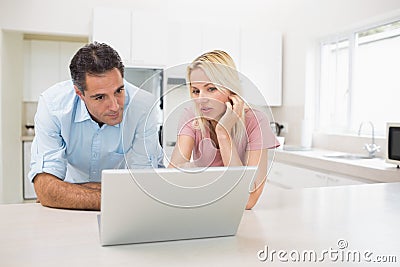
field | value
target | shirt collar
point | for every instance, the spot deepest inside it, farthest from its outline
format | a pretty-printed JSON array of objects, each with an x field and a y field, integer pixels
[{"x": 81, "y": 114}]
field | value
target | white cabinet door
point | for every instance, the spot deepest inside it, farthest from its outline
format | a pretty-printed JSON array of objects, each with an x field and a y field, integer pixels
[
  {"x": 139, "y": 36},
  {"x": 222, "y": 37},
  {"x": 337, "y": 180},
  {"x": 114, "y": 27},
  {"x": 45, "y": 64},
  {"x": 29, "y": 191},
  {"x": 43, "y": 69},
  {"x": 188, "y": 40},
  {"x": 149, "y": 37},
  {"x": 289, "y": 176},
  {"x": 184, "y": 45},
  {"x": 261, "y": 63}
]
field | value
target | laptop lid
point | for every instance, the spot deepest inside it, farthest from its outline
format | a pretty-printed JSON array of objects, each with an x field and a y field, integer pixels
[{"x": 149, "y": 205}]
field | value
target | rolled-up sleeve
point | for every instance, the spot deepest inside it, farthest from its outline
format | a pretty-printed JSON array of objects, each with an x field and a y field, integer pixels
[{"x": 48, "y": 147}]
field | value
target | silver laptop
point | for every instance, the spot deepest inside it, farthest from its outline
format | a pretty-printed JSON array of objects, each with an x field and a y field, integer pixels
[{"x": 152, "y": 205}]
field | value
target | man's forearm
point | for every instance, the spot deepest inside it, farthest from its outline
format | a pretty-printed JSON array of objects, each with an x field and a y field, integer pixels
[
  {"x": 55, "y": 193},
  {"x": 92, "y": 185}
]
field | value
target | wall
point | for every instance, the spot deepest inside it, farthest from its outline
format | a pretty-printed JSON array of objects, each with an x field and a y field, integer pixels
[
  {"x": 11, "y": 109},
  {"x": 301, "y": 22},
  {"x": 1, "y": 135}
]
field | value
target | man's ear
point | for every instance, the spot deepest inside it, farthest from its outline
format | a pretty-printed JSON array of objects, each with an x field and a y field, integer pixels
[{"x": 78, "y": 92}]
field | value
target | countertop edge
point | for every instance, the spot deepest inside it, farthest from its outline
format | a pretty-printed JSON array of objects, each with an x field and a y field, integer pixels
[
  {"x": 374, "y": 170},
  {"x": 313, "y": 159}
]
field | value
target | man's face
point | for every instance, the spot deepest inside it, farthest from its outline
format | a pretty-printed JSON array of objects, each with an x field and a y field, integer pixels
[{"x": 104, "y": 97}]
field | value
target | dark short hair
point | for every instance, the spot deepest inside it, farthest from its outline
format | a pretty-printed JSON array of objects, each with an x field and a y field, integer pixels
[{"x": 93, "y": 59}]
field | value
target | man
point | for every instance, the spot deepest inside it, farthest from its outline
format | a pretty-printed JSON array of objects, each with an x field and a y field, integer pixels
[{"x": 96, "y": 121}]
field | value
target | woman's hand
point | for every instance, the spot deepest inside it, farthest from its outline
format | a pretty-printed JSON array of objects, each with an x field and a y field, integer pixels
[
  {"x": 223, "y": 129},
  {"x": 234, "y": 111}
]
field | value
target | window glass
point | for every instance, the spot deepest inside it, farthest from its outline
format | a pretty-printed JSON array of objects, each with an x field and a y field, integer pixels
[
  {"x": 360, "y": 82},
  {"x": 334, "y": 87}
]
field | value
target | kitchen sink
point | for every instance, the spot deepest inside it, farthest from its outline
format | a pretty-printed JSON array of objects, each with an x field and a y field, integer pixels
[{"x": 347, "y": 156}]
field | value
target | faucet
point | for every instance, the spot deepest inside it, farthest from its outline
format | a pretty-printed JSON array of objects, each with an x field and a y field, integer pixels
[{"x": 371, "y": 148}]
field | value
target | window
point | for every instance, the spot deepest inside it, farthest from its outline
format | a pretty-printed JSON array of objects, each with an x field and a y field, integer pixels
[{"x": 360, "y": 80}]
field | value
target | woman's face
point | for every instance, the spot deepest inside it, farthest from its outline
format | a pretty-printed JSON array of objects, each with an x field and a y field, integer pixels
[{"x": 209, "y": 100}]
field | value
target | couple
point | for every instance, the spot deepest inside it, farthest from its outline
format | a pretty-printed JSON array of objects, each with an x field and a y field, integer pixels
[{"x": 80, "y": 128}]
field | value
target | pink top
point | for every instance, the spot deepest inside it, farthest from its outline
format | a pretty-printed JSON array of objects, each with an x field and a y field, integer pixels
[{"x": 259, "y": 136}]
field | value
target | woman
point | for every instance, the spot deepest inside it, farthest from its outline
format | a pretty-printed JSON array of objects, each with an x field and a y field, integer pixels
[{"x": 221, "y": 130}]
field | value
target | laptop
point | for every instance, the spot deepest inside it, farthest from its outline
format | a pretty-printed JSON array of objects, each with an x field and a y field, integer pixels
[{"x": 151, "y": 205}]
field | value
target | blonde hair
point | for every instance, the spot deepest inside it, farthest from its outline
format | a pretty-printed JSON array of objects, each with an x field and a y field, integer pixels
[{"x": 220, "y": 68}]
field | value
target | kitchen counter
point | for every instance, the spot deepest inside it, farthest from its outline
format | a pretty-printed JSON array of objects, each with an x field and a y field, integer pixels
[
  {"x": 374, "y": 170},
  {"x": 362, "y": 219}
]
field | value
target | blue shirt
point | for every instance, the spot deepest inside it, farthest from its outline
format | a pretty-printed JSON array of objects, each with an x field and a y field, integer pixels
[{"x": 69, "y": 144}]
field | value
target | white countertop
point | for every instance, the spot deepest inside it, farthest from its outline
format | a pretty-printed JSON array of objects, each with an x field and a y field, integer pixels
[
  {"x": 366, "y": 217},
  {"x": 375, "y": 170}
]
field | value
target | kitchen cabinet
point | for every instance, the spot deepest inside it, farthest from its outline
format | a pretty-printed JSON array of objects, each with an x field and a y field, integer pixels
[
  {"x": 149, "y": 35},
  {"x": 46, "y": 63},
  {"x": 42, "y": 67},
  {"x": 139, "y": 36},
  {"x": 257, "y": 55},
  {"x": 28, "y": 189},
  {"x": 188, "y": 40},
  {"x": 184, "y": 44},
  {"x": 222, "y": 37},
  {"x": 160, "y": 41},
  {"x": 290, "y": 177},
  {"x": 261, "y": 65}
]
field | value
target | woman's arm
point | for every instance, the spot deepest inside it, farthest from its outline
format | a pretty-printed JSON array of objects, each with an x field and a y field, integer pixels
[
  {"x": 55, "y": 193},
  {"x": 182, "y": 151},
  {"x": 257, "y": 158},
  {"x": 228, "y": 150}
]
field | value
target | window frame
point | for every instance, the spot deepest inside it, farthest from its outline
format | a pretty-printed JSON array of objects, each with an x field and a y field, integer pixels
[{"x": 351, "y": 37}]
